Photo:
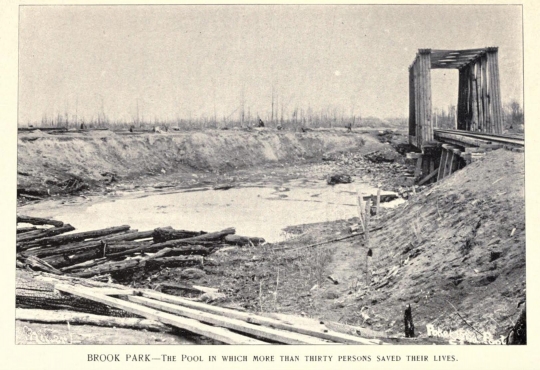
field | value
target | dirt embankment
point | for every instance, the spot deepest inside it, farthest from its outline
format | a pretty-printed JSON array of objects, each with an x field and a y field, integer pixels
[
  {"x": 59, "y": 163},
  {"x": 455, "y": 253}
]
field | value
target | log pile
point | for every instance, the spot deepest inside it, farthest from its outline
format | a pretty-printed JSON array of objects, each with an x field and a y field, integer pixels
[{"x": 115, "y": 250}]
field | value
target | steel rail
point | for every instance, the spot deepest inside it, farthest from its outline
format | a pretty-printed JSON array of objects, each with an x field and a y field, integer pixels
[{"x": 484, "y": 136}]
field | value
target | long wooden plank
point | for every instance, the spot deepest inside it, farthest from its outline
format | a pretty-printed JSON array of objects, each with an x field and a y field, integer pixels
[
  {"x": 260, "y": 320},
  {"x": 442, "y": 164},
  {"x": 226, "y": 322},
  {"x": 428, "y": 177},
  {"x": 216, "y": 333},
  {"x": 82, "y": 318}
]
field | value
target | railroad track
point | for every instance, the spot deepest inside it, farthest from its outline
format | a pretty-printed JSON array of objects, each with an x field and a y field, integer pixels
[{"x": 493, "y": 138}]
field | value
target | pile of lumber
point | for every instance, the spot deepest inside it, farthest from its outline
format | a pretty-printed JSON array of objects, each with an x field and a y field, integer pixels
[
  {"x": 56, "y": 249},
  {"x": 160, "y": 312}
]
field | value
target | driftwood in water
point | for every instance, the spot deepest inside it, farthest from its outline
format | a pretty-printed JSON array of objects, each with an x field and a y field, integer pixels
[
  {"x": 43, "y": 233},
  {"x": 80, "y": 318},
  {"x": 242, "y": 240},
  {"x": 163, "y": 234},
  {"x": 77, "y": 237},
  {"x": 38, "y": 221}
]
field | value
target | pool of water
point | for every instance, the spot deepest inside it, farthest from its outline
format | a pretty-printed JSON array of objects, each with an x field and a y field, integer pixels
[{"x": 261, "y": 211}]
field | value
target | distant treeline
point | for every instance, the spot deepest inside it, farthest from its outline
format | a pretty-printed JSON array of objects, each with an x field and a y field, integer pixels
[
  {"x": 183, "y": 124},
  {"x": 513, "y": 119}
]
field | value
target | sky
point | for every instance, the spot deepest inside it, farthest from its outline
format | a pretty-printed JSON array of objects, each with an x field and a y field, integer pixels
[{"x": 169, "y": 62}]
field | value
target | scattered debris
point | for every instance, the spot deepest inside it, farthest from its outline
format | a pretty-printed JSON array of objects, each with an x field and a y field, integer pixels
[{"x": 338, "y": 179}]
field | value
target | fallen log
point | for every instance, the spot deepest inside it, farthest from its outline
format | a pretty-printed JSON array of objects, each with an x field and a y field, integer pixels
[
  {"x": 23, "y": 230},
  {"x": 209, "y": 239},
  {"x": 38, "y": 221},
  {"x": 175, "y": 250},
  {"x": 130, "y": 236},
  {"x": 163, "y": 234},
  {"x": 43, "y": 233},
  {"x": 38, "y": 264},
  {"x": 178, "y": 261},
  {"x": 79, "y": 318},
  {"x": 242, "y": 240},
  {"x": 110, "y": 267},
  {"x": 63, "y": 260},
  {"x": 122, "y": 246},
  {"x": 195, "y": 289},
  {"x": 28, "y": 196},
  {"x": 85, "y": 264},
  {"x": 77, "y": 237}
]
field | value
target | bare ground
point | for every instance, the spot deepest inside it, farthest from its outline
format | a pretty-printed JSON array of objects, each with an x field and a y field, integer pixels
[{"x": 455, "y": 253}]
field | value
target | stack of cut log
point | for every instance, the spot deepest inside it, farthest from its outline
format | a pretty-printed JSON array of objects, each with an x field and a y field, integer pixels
[{"x": 114, "y": 249}]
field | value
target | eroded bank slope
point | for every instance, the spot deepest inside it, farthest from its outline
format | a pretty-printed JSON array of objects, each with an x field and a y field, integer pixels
[
  {"x": 53, "y": 163},
  {"x": 455, "y": 253}
]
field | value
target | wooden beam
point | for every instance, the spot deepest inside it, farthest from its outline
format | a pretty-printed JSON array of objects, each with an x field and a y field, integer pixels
[
  {"x": 485, "y": 97},
  {"x": 418, "y": 169},
  {"x": 229, "y": 323},
  {"x": 81, "y": 318},
  {"x": 474, "y": 97},
  {"x": 442, "y": 164},
  {"x": 417, "y": 120},
  {"x": 429, "y": 177},
  {"x": 260, "y": 320},
  {"x": 495, "y": 91},
  {"x": 219, "y": 334}
]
